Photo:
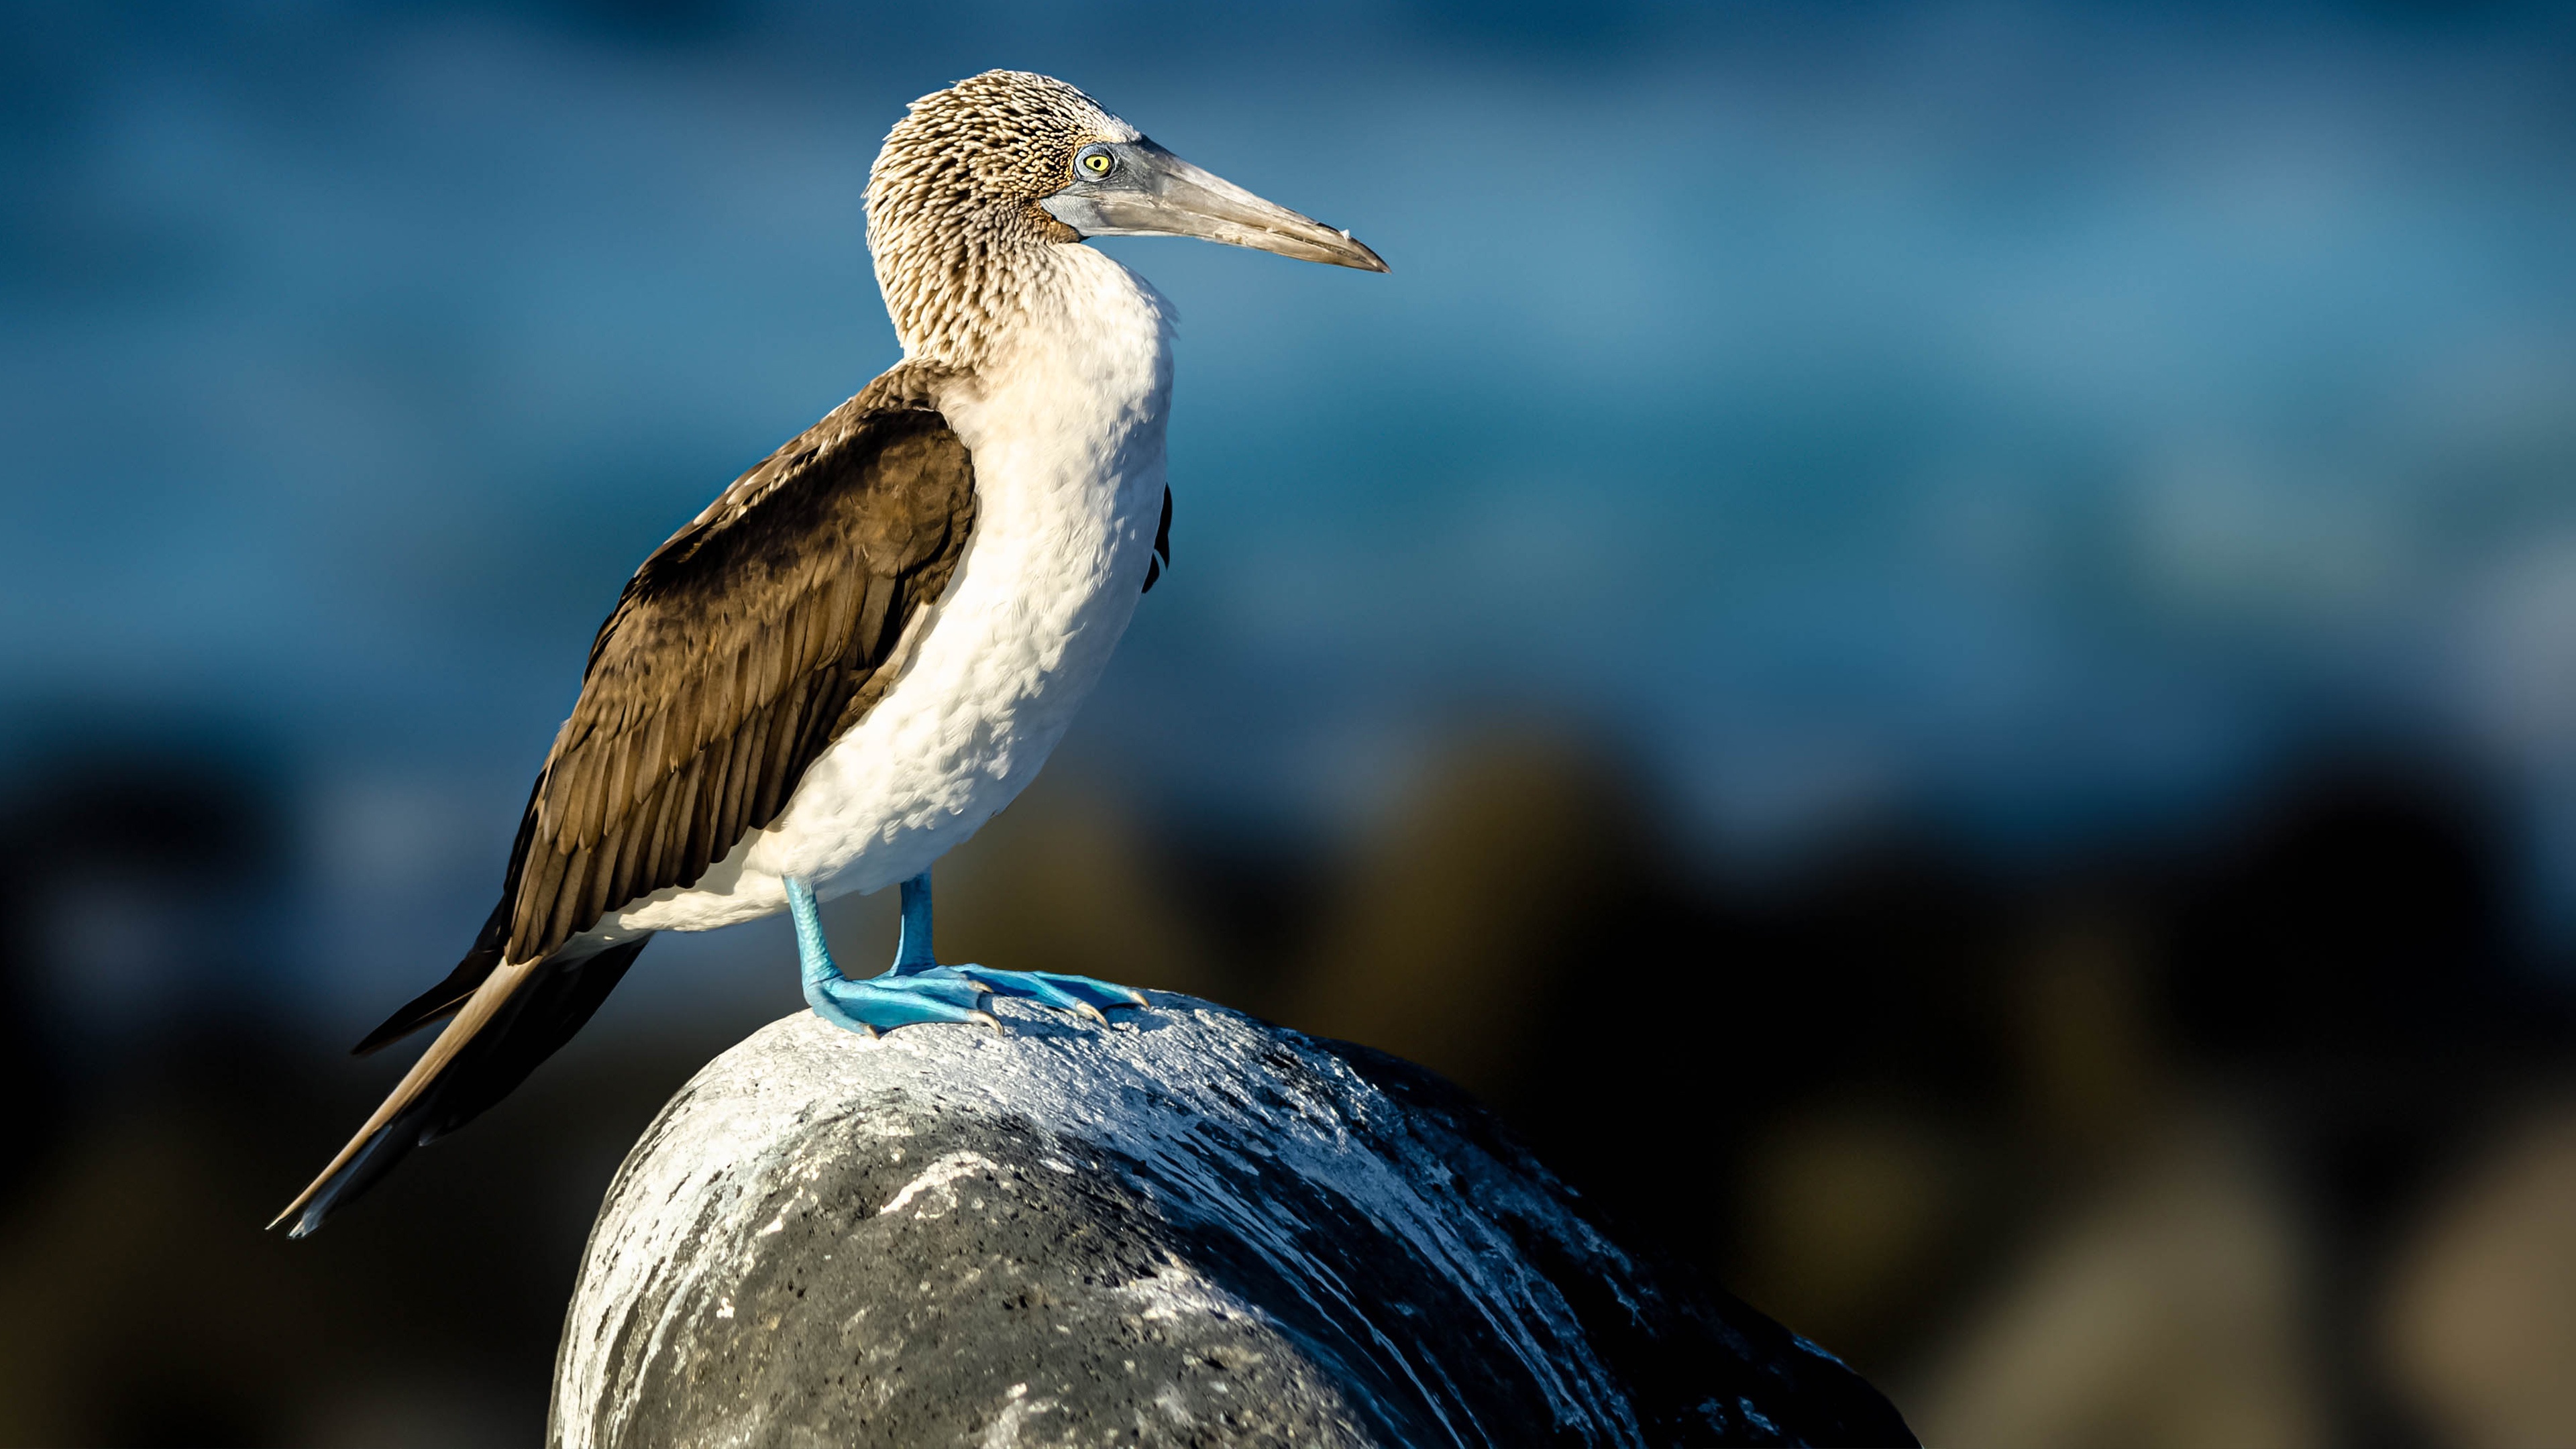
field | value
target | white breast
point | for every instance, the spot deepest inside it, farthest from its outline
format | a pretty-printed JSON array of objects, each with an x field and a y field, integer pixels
[{"x": 1067, "y": 439}]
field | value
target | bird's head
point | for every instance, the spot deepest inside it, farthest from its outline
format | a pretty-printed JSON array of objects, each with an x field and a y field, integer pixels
[{"x": 976, "y": 177}]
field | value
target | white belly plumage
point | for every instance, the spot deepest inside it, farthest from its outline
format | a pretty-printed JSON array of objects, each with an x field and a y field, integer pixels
[{"x": 1067, "y": 442}]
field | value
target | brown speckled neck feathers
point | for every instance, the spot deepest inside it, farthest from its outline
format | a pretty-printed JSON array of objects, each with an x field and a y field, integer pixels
[{"x": 953, "y": 214}]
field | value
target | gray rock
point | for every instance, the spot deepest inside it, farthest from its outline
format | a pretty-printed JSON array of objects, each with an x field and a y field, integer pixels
[{"x": 1190, "y": 1229}]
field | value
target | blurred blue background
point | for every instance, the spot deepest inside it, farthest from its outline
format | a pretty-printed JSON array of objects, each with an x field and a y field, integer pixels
[{"x": 2058, "y": 447}]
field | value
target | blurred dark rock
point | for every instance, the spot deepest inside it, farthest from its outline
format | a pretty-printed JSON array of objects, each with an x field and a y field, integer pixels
[{"x": 1194, "y": 1228}]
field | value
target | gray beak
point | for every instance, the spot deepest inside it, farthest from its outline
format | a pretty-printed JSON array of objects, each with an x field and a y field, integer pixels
[{"x": 1148, "y": 191}]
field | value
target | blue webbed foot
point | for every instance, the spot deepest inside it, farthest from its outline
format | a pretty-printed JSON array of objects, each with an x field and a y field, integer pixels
[
  {"x": 917, "y": 988},
  {"x": 889, "y": 1001},
  {"x": 908, "y": 995},
  {"x": 1081, "y": 995}
]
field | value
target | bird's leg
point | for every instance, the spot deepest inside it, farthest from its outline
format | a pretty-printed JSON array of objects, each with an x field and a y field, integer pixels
[
  {"x": 912, "y": 953},
  {"x": 898, "y": 998},
  {"x": 1078, "y": 994}
]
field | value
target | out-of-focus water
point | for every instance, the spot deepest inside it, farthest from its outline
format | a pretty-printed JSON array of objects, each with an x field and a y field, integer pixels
[
  {"x": 2015, "y": 564},
  {"x": 2044, "y": 417}
]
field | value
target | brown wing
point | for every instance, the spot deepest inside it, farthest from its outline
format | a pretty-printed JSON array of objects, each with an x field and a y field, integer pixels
[{"x": 740, "y": 650}]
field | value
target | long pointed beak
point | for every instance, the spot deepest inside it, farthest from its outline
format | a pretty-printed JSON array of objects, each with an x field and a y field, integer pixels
[{"x": 1155, "y": 193}]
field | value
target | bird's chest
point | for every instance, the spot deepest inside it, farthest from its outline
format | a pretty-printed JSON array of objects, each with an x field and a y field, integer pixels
[
  {"x": 1068, "y": 454},
  {"x": 1068, "y": 449},
  {"x": 1067, "y": 436}
]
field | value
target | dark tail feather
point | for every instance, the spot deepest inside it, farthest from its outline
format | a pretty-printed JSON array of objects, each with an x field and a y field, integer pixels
[
  {"x": 545, "y": 1016},
  {"x": 444, "y": 999},
  {"x": 514, "y": 1018}
]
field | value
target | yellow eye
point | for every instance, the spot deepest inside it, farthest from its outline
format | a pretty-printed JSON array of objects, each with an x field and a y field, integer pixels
[{"x": 1096, "y": 161}]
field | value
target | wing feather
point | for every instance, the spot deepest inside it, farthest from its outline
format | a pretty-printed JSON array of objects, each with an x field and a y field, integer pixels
[{"x": 737, "y": 654}]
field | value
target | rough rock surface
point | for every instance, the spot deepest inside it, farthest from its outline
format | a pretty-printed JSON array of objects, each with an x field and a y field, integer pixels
[{"x": 1190, "y": 1229}]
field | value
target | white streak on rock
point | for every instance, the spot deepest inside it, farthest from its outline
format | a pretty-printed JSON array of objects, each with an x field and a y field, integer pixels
[
  {"x": 1175, "y": 1290},
  {"x": 938, "y": 1176},
  {"x": 1005, "y": 1430}
]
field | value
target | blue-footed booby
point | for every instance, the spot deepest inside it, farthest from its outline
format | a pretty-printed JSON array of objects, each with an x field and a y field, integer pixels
[{"x": 870, "y": 642}]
